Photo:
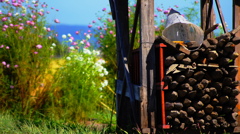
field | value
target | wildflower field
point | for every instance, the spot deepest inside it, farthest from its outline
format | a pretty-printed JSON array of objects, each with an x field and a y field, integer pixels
[{"x": 48, "y": 86}]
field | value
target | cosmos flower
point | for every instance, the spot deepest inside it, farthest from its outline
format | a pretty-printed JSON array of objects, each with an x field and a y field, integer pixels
[
  {"x": 64, "y": 36},
  {"x": 4, "y": 63},
  {"x": 56, "y": 21},
  {"x": 38, "y": 46},
  {"x": 166, "y": 12}
]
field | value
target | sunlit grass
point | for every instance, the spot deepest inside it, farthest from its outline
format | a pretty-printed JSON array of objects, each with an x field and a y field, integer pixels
[{"x": 13, "y": 125}]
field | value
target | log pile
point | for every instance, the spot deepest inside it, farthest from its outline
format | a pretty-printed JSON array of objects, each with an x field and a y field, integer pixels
[{"x": 202, "y": 86}]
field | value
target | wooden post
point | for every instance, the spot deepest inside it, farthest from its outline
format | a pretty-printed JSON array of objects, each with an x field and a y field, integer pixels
[
  {"x": 236, "y": 22},
  {"x": 147, "y": 64},
  {"x": 207, "y": 16}
]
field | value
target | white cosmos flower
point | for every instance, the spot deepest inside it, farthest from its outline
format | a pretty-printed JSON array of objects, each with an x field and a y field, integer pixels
[
  {"x": 70, "y": 40},
  {"x": 16, "y": 14},
  {"x": 69, "y": 35},
  {"x": 64, "y": 36},
  {"x": 68, "y": 58},
  {"x": 81, "y": 42},
  {"x": 86, "y": 51},
  {"x": 71, "y": 48},
  {"x": 104, "y": 83},
  {"x": 53, "y": 44},
  {"x": 88, "y": 36},
  {"x": 96, "y": 52},
  {"x": 41, "y": 10}
]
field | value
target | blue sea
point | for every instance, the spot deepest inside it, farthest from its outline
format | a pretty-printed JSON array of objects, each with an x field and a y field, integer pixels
[{"x": 61, "y": 29}]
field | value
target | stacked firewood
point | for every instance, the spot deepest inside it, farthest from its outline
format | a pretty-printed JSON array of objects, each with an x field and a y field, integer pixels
[{"x": 201, "y": 85}]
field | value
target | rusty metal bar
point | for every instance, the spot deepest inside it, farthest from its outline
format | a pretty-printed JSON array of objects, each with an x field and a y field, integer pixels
[{"x": 162, "y": 88}]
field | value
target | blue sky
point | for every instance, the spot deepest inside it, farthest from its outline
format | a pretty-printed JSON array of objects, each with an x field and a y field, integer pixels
[{"x": 83, "y": 12}]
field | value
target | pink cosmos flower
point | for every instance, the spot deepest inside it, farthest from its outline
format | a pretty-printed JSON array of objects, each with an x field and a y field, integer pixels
[
  {"x": 196, "y": 1},
  {"x": 16, "y": 66},
  {"x": 41, "y": 13},
  {"x": 159, "y": 9},
  {"x": 56, "y": 21},
  {"x": 48, "y": 29},
  {"x": 89, "y": 26},
  {"x": 99, "y": 18},
  {"x": 109, "y": 20},
  {"x": 35, "y": 52},
  {"x": 34, "y": 16},
  {"x": 15, "y": 4},
  {"x": 4, "y": 63},
  {"x": 4, "y": 19},
  {"x": 72, "y": 38},
  {"x": 93, "y": 21},
  {"x": 38, "y": 46},
  {"x": 74, "y": 43},
  {"x": 101, "y": 36},
  {"x": 77, "y": 32},
  {"x": 20, "y": 28},
  {"x": 87, "y": 45},
  {"x": 104, "y": 9},
  {"x": 5, "y": 26},
  {"x": 9, "y": 14},
  {"x": 111, "y": 32},
  {"x": 11, "y": 86},
  {"x": 162, "y": 20},
  {"x": 176, "y": 6},
  {"x": 8, "y": 65},
  {"x": 166, "y": 12},
  {"x": 7, "y": 47}
]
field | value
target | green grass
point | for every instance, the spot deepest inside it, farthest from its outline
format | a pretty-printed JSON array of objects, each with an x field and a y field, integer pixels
[{"x": 13, "y": 125}]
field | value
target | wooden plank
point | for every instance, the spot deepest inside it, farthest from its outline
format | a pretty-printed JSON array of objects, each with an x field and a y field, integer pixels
[
  {"x": 236, "y": 23},
  {"x": 147, "y": 59},
  {"x": 207, "y": 16},
  {"x": 221, "y": 16}
]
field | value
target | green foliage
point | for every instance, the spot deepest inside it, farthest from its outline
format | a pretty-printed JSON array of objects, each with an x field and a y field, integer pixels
[
  {"x": 13, "y": 125},
  {"x": 79, "y": 84},
  {"x": 25, "y": 55},
  {"x": 40, "y": 77}
]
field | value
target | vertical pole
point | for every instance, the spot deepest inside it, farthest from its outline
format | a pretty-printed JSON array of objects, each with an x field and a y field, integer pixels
[
  {"x": 120, "y": 8},
  {"x": 162, "y": 88},
  {"x": 147, "y": 60},
  {"x": 236, "y": 22},
  {"x": 207, "y": 15}
]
